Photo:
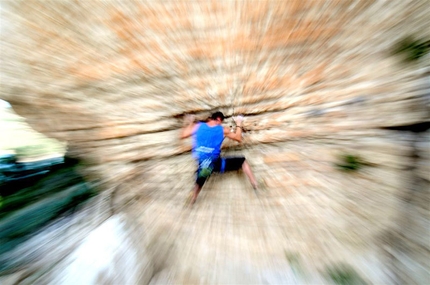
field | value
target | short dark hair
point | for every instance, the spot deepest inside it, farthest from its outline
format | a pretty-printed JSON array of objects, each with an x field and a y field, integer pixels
[{"x": 217, "y": 115}]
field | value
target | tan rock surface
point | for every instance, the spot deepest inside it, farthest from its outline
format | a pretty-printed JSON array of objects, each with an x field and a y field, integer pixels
[{"x": 314, "y": 79}]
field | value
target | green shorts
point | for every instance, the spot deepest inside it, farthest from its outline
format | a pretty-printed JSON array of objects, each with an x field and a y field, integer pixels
[{"x": 220, "y": 165}]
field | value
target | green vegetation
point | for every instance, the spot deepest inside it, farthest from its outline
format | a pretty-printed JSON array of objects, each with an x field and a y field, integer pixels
[
  {"x": 32, "y": 205},
  {"x": 343, "y": 274},
  {"x": 53, "y": 183},
  {"x": 412, "y": 49},
  {"x": 350, "y": 162},
  {"x": 295, "y": 262},
  {"x": 292, "y": 257}
]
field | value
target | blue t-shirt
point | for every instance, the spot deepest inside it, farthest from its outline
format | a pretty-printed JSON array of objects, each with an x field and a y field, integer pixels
[{"x": 207, "y": 141}]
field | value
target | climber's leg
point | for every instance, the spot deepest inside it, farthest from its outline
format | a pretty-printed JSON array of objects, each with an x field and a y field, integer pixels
[
  {"x": 247, "y": 170},
  {"x": 196, "y": 192},
  {"x": 236, "y": 163}
]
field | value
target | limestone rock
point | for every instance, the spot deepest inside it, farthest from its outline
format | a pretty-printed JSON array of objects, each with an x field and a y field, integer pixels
[{"x": 314, "y": 79}]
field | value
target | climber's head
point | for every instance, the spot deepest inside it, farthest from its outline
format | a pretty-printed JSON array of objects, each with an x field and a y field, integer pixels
[{"x": 217, "y": 116}]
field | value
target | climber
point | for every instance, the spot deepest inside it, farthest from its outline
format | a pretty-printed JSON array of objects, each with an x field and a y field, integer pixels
[{"x": 207, "y": 139}]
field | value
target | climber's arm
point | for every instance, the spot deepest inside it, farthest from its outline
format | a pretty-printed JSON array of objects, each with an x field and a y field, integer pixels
[
  {"x": 237, "y": 136},
  {"x": 189, "y": 127},
  {"x": 187, "y": 131}
]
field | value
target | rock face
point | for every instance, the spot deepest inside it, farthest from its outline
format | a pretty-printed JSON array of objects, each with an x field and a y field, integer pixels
[{"x": 314, "y": 79}]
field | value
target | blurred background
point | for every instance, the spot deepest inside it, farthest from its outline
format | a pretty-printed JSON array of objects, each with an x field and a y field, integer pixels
[{"x": 95, "y": 182}]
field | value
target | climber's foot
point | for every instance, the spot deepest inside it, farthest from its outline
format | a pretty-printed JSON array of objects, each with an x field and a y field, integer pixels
[
  {"x": 189, "y": 201},
  {"x": 193, "y": 200}
]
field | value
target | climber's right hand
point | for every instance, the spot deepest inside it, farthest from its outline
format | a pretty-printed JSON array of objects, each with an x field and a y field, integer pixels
[
  {"x": 189, "y": 119},
  {"x": 238, "y": 120}
]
